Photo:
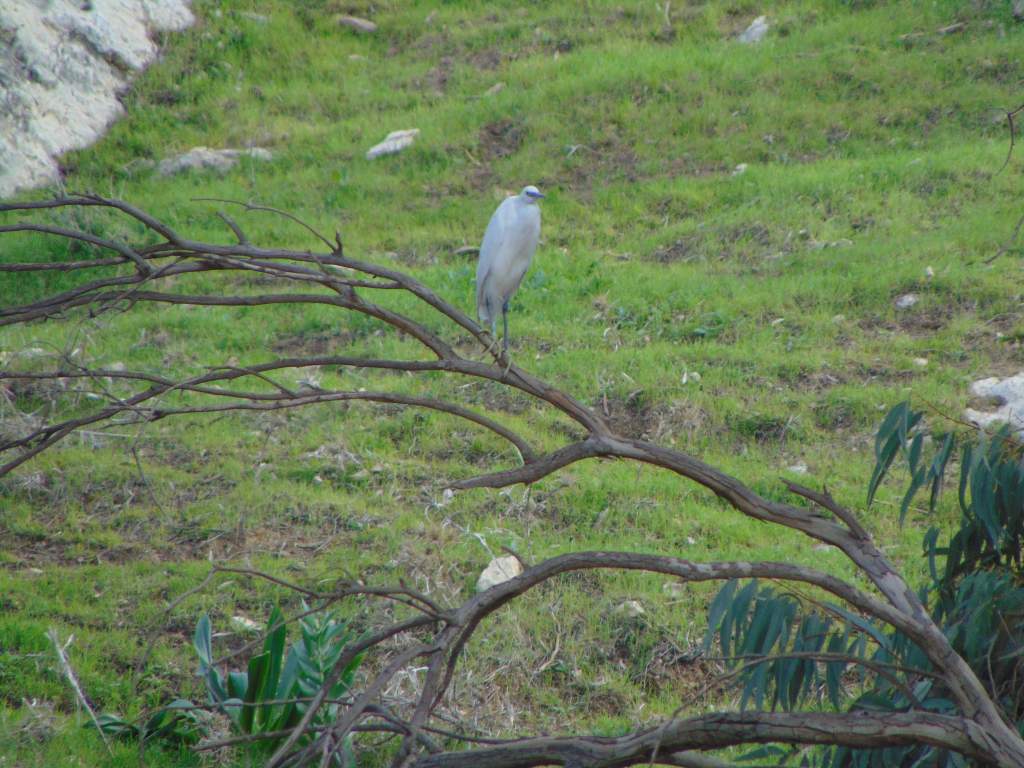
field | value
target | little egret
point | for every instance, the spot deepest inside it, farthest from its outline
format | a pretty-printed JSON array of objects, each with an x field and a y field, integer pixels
[{"x": 505, "y": 254}]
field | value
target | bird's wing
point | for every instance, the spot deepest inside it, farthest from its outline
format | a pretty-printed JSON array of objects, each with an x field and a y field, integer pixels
[{"x": 494, "y": 235}]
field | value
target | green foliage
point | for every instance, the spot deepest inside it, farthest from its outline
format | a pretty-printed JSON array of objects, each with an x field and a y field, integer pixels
[
  {"x": 789, "y": 652},
  {"x": 271, "y": 695},
  {"x": 177, "y": 723}
]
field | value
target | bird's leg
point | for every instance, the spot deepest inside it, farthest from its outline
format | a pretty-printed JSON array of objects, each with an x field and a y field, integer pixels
[
  {"x": 504, "y": 318},
  {"x": 493, "y": 345}
]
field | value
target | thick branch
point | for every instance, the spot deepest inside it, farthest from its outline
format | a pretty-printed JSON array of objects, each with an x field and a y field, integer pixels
[{"x": 724, "y": 729}]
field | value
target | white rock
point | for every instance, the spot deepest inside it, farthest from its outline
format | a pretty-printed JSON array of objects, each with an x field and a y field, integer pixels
[
  {"x": 62, "y": 65},
  {"x": 740, "y": 169},
  {"x": 356, "y": 23},
  {"x": 631, "y": 609},
  {"x": 1008, "y": 403},
  {"x": 394, "y": 142},
  {"x": 799, "y": 468},
  {"x": 500, "y": 570},
  {"x": 756, "y": 31},
  {"x": 906, "y": 301},
  {"x": 920, "y": 362},
  {"x": 204, "y": 158},
  {"x": 243, "y": 624},
  {"x": 673, "y": 589}
]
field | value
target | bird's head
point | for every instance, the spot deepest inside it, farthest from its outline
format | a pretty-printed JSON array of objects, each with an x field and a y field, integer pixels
[{"x": 531, "y": 194}]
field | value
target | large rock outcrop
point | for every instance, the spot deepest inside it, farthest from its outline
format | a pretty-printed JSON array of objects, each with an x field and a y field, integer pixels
[{"x": 62, "y": 64}]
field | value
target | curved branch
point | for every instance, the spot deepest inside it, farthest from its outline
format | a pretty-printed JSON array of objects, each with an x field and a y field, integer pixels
[
  {"x": 723, "y": 729},
  {"x": 277, "y": 401}
]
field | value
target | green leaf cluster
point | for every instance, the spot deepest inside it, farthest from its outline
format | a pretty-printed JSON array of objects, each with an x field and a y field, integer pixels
[
  {"x": 267, "y": 698},
  {"x": 789, "y": 652}
]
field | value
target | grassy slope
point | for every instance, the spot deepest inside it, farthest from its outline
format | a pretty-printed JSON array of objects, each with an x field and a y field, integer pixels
[{"x": 656, "y": 261}]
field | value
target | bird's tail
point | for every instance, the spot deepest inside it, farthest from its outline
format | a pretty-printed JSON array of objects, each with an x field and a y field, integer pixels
[{"x": 483, "y": 308}]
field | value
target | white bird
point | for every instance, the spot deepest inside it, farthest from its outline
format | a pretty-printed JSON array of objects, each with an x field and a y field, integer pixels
[{"x": 509, "y": 242}]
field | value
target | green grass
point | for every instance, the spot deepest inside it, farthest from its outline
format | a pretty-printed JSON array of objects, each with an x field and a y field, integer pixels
[{"x": 871, "y": 157}]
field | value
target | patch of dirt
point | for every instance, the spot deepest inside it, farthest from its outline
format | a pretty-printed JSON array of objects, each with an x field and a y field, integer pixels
[
  {"x": 486, "y": 59},
  {"x": 601, "y": 163},
  {"x": 686, "y": 248},
  {"x": 312, "y": 344},
  {"x": 917, "y": 321},
  {"x": 742, "y": 242},
  {"x": 500, "y": 139},
  {"x": 630, "y": 416},
  {"x": 497, "y": 397},
  {"x": 633, "y": 416},
  {"x": 817, "y": 381},
  {"x": 436, "y": 79}
]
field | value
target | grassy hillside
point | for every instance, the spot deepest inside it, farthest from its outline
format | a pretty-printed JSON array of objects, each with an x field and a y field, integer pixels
[{"x": 871, "y": 144}]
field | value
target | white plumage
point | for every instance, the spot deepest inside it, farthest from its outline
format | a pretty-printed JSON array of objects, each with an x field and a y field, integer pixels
[{"x": 508, "y": 246}]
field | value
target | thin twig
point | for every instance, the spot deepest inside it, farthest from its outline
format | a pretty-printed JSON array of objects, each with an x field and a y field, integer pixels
[{"x": 69, "y": 673}]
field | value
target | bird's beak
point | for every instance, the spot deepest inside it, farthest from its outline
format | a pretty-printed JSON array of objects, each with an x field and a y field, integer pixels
[{"x": 537, "y": 195}]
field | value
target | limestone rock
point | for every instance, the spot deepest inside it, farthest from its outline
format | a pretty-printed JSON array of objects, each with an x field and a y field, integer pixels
[
  {"x": 62, "y": 64},
  {"x": 906, "y": 301},
  {"x": 500, "y": 570},
  {"x": 756, "y": 31},
  {"x": 356, "y": 23},
  {"x": 204, "y": 158},
  {"x": 1006, "y": 397},
  {"x": 394, "y": 142}
]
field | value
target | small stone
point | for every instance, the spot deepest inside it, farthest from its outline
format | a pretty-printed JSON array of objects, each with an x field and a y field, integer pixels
[
  {"x": 354, "y": 22},
  {"x": 1004, "y": 403},
  {"x": 394, "y": 142},
  {"x": 204, "y": 158},
  {"x": 906, "y": 301},
  {"x": 630, "y": 609},
  {"x": 740, "y": 169},
  {"x": 243, "y": 624},
  {"x": 356, "y": 57},
  {"x": 689, "y": 376},
  {"x": 799, "y": 468},
  {"x": 498, "y": 571},
  {"x": 756, "y": 31},
  {"x": 258, "y": 18},
  {"x": 674, "y": 588},
  {"x": 495, "y": 89},
  {"x": 920, "y": 362}
]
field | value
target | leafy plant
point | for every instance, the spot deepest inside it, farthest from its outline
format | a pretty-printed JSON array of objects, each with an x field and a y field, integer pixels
[
  {"x": 177, "y": 723},
  {"x": 272, "y": 693},
  {"x": 786, "y": 651}
]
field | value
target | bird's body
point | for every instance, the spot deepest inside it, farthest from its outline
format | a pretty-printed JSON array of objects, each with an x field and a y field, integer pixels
[{"x": 505, "y": 254}]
